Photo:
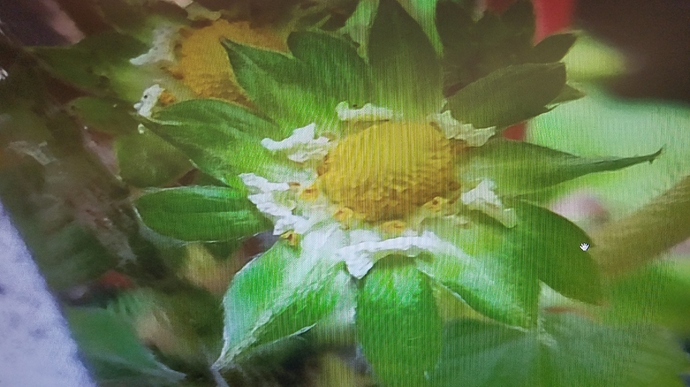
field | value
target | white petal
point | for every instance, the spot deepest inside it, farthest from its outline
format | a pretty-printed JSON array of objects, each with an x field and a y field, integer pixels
[
  {"x": 162, "y": 47},
  {"x": 301, "y": 146},
  {"x": 368, "y": 112},
  {"x": 454, "y": 129},
  {"x": 258, "y": 184},
  {"x": 148, "y": 100},
  {"x": 360, "y": 258},
  {"x": 484, "y": 199}
]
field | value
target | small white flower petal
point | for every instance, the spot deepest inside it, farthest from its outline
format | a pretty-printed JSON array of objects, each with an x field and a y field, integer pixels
[
  {"x": 301, "y": 146},
  {"x": 360, "y": 257},
  {"x": 258, "y": 184},
  {"x": 368, "y": 112},
  {"x": 272, "y": 200},
  {"x": 484, "y": 199},
  {"x": 148, "y": 100},
  {"x": 454, "y": 129},
  {"x": 162, "y": 48},
  {"x": 295, "y": 223}
]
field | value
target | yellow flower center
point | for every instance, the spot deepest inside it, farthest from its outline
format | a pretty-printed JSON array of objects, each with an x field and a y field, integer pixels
[
  {"x": 203, "y": 65},
  {"x": 387, "y": 170}
]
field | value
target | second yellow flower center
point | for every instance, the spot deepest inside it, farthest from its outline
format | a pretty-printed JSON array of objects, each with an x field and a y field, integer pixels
[{"x": 386, "y": 171}]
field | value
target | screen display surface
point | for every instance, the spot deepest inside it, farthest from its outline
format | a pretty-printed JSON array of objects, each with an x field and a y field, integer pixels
[{"x": 345, "y": 193}]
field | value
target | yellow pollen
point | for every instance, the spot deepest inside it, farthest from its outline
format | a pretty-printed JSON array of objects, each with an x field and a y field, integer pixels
[
  {"x": 394, "y": 227},
  {"x": 166, "y": 98},
  {"x": 294, "y": 186},
  {"x": 388, "y": 169},
  {"x": 310, "y": 193},
  {"x": 345, "y": 216},
  {"x": 436, "y": 204},
  {"x": 202, "y": 62},
  {"x": 291, "y": 237}
]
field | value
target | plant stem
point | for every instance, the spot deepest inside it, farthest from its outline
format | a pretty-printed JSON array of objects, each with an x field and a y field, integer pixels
[{"x": 643, "y": 236}]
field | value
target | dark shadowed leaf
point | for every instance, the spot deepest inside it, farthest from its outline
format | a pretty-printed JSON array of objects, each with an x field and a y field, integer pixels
[
  {"x": 508, "y": 95},
  {"x": 114, "y": 353},
  {"x": 553, "y": 48},
  {"x": 146, "y": 160},
  {"x": 567, "y": 350}
]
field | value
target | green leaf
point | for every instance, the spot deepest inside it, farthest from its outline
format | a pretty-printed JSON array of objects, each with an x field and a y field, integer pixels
[
  {"x": 492, "y": 273},
  {"x": 655, "y": 294},
  {"x": 146, "y": 160},
  {"x": 508, "y": 95},
  {"x": 567, "y": 351},
  {"x": 336, "y": 64},
  {"x": 221, "y": 139},
  {"x": 98, "y": 64},
  {"x": 554, "y": 242},
  {"x": 282, "y": 293},
  {"x": 553, "y": 48},
  {"x": 69, "y": 257},
  {"x": 568, "y": 94},
  {"x": 107, "y": 115},
  {"x": 601, "y": 124},
  {"x": 113, "y": 352},
  {"x": 397, "y": 323},
  {"x": 200, "y": 213},
  {"x": 518, "y": 167},
  {"x": 406, "y": 72},
  {"x": 281, "y": 86}
]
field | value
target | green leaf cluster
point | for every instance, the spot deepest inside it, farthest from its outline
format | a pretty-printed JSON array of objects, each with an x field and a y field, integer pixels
[{"x": 567, "y": 350}]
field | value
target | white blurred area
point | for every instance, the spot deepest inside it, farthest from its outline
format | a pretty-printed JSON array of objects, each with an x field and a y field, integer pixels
[{"x": 36, "y": 349}]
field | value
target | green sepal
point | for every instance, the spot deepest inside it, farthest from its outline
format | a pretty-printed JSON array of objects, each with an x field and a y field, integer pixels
[
  {"x": 281, "y": 86},
  {"x": 397, "y": 323},
  {"x": 278, "y": 295},
  {"x": 554, "y": 243},
  {"x": 98, "y": 64},
  {"x": 552, "y": 48},
  {"x": 566, "y": 350},
  {"x": 509, "y": 95},
  {"x": 146, "y": 160},
  {"x": 200, "y": 213},
  {"x": 108, "y": 115},
  {"x": 221, "y": 139},
  {"x": 113, "y": 353},
  {"x": 569, "y": 93},
  {"x": 406, "y": 71},
  {"x": 511, "y": 165},
  {"x": 491, "y": 273},
  {"x": 335, "y": 63},
  {"x": 472, "y": 49}
]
